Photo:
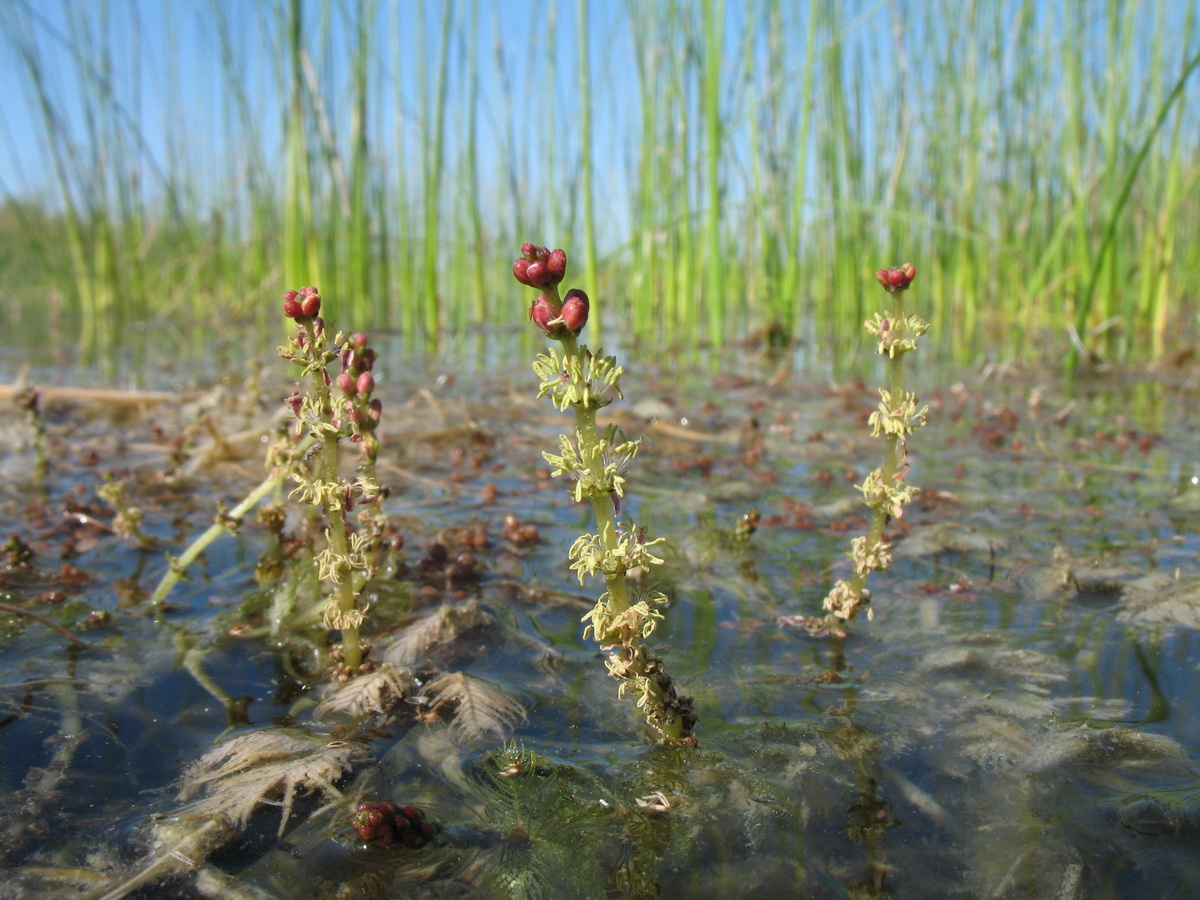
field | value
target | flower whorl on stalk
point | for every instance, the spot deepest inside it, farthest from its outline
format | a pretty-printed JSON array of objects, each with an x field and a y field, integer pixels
[
  {"x": 576, "y": 379},
  {"x": 884, "y": 490}
]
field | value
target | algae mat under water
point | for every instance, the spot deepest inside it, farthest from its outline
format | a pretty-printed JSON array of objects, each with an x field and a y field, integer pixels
[{"x": 1019, "y": 719}]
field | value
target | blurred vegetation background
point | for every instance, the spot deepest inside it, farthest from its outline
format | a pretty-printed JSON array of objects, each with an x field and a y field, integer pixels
[{"x": 716, "y": 170}]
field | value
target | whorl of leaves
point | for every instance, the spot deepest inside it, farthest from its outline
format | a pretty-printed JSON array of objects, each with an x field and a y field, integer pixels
[
  {"x": 375, "y": 692},
  {"x": 479, "y": 708},
  {"x": 268, "y": 766},
  {"x": 434, "y": 629}
]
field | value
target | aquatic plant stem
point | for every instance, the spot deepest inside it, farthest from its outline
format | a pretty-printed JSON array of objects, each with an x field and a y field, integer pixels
[
  {"x": 884, "y": 489},
  {"x": 624, "y": 615},
  {"x": 606, "y": 524},
  {"x": 632, "y": 660},
  {"x": 226, "y": 523},
  {"x": 891, "y": 461},
  {"x": 344, "y": 598},
  {"x": 53, "y": 626}
]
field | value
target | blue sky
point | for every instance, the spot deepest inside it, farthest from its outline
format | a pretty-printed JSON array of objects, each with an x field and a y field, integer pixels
[
  {"x": 170, "y": 82},
  {"x": 152, "y": 73}
]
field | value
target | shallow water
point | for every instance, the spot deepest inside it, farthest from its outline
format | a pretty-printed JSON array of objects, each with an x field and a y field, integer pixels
[{"x": 1018, "y": 719}]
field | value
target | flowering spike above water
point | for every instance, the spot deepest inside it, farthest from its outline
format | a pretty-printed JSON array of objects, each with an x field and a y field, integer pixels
[{"x": 626, "y": 613}]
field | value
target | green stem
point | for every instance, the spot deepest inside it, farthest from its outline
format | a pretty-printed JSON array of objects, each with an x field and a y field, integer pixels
[
  {"x": 53, "y": 626},
  {"x": 602, "y": 507},
  {"x": 225, "y": 524},
  {"x": 588, "y": 435},
  {"x": 344, "y": 596}
]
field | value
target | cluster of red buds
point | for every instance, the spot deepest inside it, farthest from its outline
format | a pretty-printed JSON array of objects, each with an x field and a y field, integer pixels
[
  {"x": 302, "y": 304},
  {"x": 544, "y": 269},
  {"x": 539, "y": 267},
  {"x": 559, "y": 321},
  {"x": 897, "y": 278},
  {"x": 356, "y": 384},
  {"x": 388, "y": 823}
]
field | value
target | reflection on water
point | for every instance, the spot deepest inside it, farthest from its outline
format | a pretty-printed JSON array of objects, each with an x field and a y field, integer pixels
[{"x": 1021, "y": 718}]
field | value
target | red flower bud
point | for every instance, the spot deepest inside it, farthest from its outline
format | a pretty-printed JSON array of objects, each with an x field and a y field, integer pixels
[
  {"x": 520, "y": 267},
  {"x": 310, "y": 302},
  {"x": 556, "y": 265},
  {"x": 366, "y": 383},
  {"x": 574, "y": 314},
  {"x": 896, "y": 279},
  {"x": 375, "y": 411},
  {"x": 542, "y": 313},
  {"x": 346, "y": 384},
  {"x": 291, "y": 304},
  {"x": 539, "y": 267},
  {"x": 536, "y": 274}
]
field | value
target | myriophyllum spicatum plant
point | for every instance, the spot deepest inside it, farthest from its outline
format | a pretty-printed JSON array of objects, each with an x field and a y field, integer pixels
[
  {"x": 627, "y": 612},
  {"x": 884, "y": 490},
  {"x": 330, "y": 410}
]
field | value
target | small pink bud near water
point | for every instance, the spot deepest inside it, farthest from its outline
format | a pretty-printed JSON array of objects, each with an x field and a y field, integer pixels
[
  {"x": 347, "y": 384},
  {"x": 366, "y": 383},
  {"x": 897, "y": 278}
]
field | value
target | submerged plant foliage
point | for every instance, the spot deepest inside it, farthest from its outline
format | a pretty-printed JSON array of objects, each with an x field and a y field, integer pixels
[{"x": 627, "y": 613}]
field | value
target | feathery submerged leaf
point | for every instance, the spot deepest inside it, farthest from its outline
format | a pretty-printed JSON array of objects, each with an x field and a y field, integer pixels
[
  {"x": 375, "y": 692},
  {"x": 439, "y": 627},
  {"x": 479, "y": 708},
  {"x": 255, "y": 768}
]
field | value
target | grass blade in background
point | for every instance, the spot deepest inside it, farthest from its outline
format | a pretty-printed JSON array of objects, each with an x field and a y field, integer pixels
[{"x": 724, "y": 166}]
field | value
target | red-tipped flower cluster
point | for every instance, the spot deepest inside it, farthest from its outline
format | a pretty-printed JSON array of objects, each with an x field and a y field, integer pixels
[
  {"x": 542, "y": 268},
  {"x": 539, "y": 267},
  {"x": 356, "y": 382},
  {"x": 558, "y": 322},
  {"x": 388, "y": 823},
  {"x": 896, "y": 279},
  {"x": 302, "y": 304}
]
